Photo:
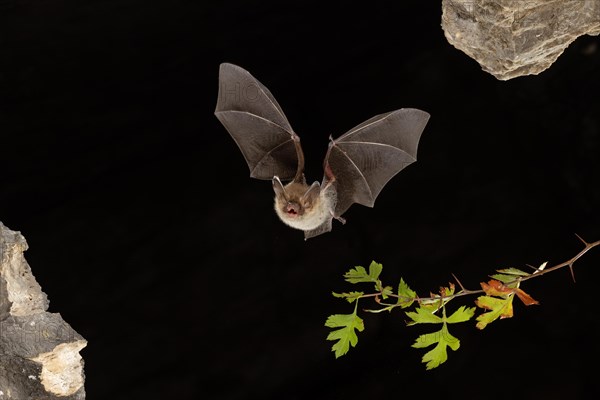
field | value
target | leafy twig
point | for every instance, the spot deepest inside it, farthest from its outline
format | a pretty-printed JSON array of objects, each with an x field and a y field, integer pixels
[{"x": 495, "y": 297}]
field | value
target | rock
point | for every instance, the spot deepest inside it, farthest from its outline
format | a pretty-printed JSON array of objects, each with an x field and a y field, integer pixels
[
  {"x": 511, "y": 38},
  {"x": 39, "y": 352}
]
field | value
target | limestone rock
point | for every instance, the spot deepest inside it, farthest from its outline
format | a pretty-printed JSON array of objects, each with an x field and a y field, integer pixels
[
  {"x": 511, "y": 38},
  {"x": 39, "y": 352}
]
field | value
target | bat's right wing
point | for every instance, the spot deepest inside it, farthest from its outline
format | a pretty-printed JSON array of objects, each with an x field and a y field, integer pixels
[
  {"x": 365, "y": 158},
  {"x": 256, "y": 122}
]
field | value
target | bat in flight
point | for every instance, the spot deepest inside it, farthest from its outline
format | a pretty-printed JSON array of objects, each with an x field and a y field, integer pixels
[{"x": 357, "y": 165}]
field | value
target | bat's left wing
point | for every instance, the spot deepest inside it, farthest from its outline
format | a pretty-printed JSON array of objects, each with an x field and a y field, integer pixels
[{"x": 365, "y": 158}]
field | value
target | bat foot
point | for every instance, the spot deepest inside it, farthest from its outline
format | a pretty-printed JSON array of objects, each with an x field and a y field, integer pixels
[{"x": 342, "y": 220}]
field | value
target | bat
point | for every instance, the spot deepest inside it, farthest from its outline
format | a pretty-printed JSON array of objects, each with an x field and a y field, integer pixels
[{"x": 357, "y": 165}]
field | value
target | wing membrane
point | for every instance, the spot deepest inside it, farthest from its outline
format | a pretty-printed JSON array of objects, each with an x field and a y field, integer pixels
[
  {"x": 255, "y": 120},
  {"x": 365, "y": 158}
]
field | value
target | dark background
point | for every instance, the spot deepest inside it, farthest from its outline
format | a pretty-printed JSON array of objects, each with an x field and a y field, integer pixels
[{"x": 152, "y": 242}]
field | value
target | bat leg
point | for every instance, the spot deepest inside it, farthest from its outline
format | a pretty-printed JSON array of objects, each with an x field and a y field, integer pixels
[{"x": 341, "y": 219}]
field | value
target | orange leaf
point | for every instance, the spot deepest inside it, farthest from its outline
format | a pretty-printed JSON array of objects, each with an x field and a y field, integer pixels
[
  {"x": 525, "y": 298},
  {"x": 496, "y": 288},
  {"x": 499, "y": 289}
]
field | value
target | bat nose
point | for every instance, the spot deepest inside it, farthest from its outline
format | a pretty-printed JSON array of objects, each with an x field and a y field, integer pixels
[{"x": 292, "y": 208}]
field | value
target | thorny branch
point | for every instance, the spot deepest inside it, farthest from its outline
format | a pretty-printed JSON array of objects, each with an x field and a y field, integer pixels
[
  {"x": 495, "y": 297},
  {"x": 465, "y": 292}
]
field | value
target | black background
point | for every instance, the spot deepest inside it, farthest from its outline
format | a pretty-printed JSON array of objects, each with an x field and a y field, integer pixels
[{"x": 152, "y": 242}]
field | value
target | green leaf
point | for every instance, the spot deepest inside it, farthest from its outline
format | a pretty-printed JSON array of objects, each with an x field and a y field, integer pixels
[
  {"x": 503, "y": 277},
  {"x": 386, "y": 292},
  {"x": 513, "y": 271},
  {"x": 345, "y": 336},
  {"x": 509, "y": 274},
  {"x": 442, "y": 338},
  {"x": 350, "y": 297},
  {"x": 375, "y": 270},
  {"x": 461, "y": 315},
  {"x": 359, "y": 274},
  {"x": 423, "y": 316},
  {"x": 406, "y": 296},
  {"x": 439, "y": 354},
  {"x": 499, "y": 308}
]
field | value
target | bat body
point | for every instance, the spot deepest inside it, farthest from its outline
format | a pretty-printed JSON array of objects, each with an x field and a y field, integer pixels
[
  {"x": 357, "y": 165},
  {"x": 310, "y": 209}
]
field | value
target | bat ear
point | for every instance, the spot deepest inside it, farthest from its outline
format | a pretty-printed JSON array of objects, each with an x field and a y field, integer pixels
[
  {"x": 278, "y": 187},
  {"x": 312, "y": 195}
]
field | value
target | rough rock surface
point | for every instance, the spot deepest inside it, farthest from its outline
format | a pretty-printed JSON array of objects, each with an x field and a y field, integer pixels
[
  {"x": 39, "y": 352},
  {"x": 511, "y": 38}
]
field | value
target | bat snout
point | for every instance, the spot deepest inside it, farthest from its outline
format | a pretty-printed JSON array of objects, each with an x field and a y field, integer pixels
[{"x": 293, "y": 209}]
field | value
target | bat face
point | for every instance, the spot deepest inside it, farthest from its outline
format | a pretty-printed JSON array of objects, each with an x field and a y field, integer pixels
[
  {"x": 357, "y": 166},
  {"x": 290, "y": 200},
  {"x": 301, "y": 206}
]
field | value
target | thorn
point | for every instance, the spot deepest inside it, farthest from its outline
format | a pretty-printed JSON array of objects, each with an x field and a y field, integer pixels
[
  {"x": 572, "y": 272},
  {"x": 583, "y": 241},
  {"x": 459, "y": 284},
  {"x": 531, "y": 266}
]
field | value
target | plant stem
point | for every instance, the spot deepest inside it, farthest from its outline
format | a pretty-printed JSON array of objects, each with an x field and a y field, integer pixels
[{"x": 465, "y": 292}]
